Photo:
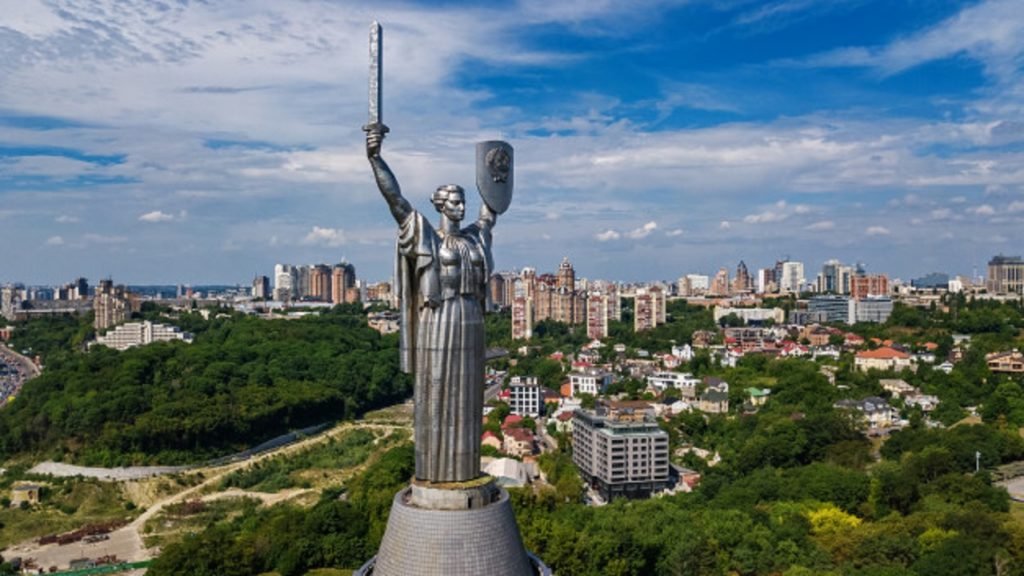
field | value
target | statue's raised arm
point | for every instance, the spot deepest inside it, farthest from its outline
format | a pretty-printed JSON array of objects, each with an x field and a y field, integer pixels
[{"x": 386, "y": 182}]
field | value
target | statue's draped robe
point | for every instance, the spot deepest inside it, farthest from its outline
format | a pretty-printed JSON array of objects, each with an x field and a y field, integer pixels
[{"x": 443, "y": 287}]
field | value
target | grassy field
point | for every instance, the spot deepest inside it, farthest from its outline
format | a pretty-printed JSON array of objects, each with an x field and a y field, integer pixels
[
  {"x": 192, "y": 516},
  {"x": 66, "y": 504},
  {"x": 323, "y": 464}
]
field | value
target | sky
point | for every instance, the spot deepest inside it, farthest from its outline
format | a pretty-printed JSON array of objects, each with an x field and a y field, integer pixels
[{"x": 203, "y": 141}]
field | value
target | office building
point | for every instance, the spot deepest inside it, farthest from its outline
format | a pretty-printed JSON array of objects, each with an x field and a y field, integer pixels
[
  {"x": 526, "y": 397},
  {"x": 871, "y": 309},
  {"x": 620, "y": 450},
  {"x": 828, "y": 308}
]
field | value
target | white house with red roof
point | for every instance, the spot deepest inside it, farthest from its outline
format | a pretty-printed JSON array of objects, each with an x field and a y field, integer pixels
[{"x": 883, "y": 358}]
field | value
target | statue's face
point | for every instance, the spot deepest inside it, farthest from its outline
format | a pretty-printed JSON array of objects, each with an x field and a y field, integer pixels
[{"x": 455, "y": 206}]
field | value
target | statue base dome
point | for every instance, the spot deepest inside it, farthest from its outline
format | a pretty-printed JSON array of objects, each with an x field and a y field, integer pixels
[{"x": 453, "y": 531}]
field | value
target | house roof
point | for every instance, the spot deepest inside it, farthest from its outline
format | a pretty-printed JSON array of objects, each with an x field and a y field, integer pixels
[
  {"x": 714, "y": 396},
  {"x": 883, "y": 353},
  {"x": 511, "y": 420},
  {"x": 520, "y": 434}
]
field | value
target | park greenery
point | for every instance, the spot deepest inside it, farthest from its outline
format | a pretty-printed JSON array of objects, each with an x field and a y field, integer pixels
[
  {"x": 799, "y": 489},
  {"x": 242, "y": 381}
]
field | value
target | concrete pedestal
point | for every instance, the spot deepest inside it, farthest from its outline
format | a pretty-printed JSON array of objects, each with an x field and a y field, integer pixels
[{"x": 476, "y": 541}]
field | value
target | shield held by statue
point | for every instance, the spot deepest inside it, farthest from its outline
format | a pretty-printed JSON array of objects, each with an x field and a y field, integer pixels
[{"x": 494, "y": 174}]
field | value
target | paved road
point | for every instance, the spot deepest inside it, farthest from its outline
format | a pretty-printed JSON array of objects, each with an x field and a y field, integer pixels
[{"x": 17, "y": 370}]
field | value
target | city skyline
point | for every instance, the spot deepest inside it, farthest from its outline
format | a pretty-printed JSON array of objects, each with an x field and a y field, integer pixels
[{"x": 203, "y": 143}]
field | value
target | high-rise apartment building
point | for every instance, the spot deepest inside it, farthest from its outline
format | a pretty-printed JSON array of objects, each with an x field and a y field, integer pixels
[
  {"x": 566, "y": 275},
  {"x": 261, "y": 287},
  {"x": 597, "y": 315},
  {"x": 10, "y": 301},
  {"x": 320, "y": 283},
  {"x": 1005, "y": 275},
  {"x": 620, "y": 450},
  {"x": 284, "y": 282},
  {"x": 834, "y": 278},
  {"x": 343, "y": 284},
  {"x": 699, "y": 284},
  {"x": 648, "y": 308},
  {"x": 522, "y": 318},
  {"x": 766, "y": 282},
  {"x": 791, "y": 279},
  {"x": 720, "y": 283},
  {"x": 684, "y": 287},
  {"x": 864, "y": 286},
  {"x": 501, "y": 289},
  {"x": 112, "y": 305},
  {"x": 742, "y": 283}
]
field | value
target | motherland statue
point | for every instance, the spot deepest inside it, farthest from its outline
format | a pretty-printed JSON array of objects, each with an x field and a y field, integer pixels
[
  {"x": 441, "y": 276},
  {"x": 452, "y": 520}
]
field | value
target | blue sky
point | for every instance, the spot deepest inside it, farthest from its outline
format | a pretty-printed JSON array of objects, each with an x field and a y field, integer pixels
[{"x": 186, "y": 141}]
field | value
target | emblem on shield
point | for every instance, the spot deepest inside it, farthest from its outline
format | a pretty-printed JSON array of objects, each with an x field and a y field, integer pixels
[{"x": 494, "y": 174}]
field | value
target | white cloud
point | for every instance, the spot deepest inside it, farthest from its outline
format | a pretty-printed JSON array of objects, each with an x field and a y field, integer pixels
[
  {"x": 607, "y": 235},
  {"x": 764, "y": 217},
  {"x": 156, "y": 216},
  {"x": 54, "y": 241},
  {"x": 65, "y": 219},
  {"x": 724, "y": 225},
  {"x": 643, "y": 231},
  {"x": 103, "y": 239},
  {"x": 331, "y": 237},
  {"x": 674, "y": 233},
  {"x": 941, "y": 214},
  {"x": 801, "y": 209},
  {"x": 983, "y": 210},
  {"x": 988, "y": 31},
  {"x": 877, "y": 231},
  {"x": 822, "y": 225}
]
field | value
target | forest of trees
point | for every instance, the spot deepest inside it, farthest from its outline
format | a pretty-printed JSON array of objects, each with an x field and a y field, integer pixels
[{"x": 242, "y": 381}]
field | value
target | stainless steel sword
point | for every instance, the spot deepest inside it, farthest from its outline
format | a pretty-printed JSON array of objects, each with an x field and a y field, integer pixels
[{"x": 376, "y": 78}]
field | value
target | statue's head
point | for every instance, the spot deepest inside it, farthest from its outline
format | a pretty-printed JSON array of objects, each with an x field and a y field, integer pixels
[{"x": 450, "y": 200}]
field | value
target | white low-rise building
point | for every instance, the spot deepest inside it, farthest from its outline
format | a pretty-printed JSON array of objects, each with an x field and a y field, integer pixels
[
  {"x": 134, "y": 334},
  {"x": 591, "y": 382},
  {"x": 685, "y": 383}
]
